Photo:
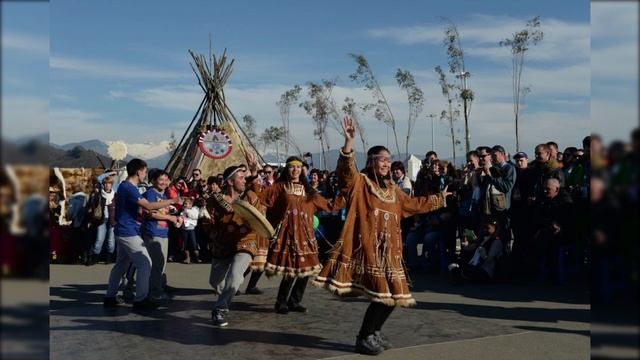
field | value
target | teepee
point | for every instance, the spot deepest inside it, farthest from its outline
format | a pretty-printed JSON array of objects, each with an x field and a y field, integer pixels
[{"x": 212, "y": 141}]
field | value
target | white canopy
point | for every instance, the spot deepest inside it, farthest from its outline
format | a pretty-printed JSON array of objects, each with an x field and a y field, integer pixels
[{"x": 413, "y": 166}]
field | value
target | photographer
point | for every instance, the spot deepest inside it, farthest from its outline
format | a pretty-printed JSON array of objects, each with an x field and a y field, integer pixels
[{"x": 497, "y": 179}]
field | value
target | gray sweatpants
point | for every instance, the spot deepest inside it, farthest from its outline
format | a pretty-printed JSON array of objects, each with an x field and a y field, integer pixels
[
  {"x": 131, "y": 249},
  {"x": 157, "y": 247},
  {"x": 226, "y": 277}
]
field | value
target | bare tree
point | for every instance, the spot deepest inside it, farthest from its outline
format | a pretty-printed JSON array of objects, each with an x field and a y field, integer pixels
[
  {"x": 287, "y": 99},
  {"x": 456, "y": 66},
  {"x": 451, "y": 115},
  {"x": 519, "y": 44},
  {"x": 350, "y": 108},
  {"x": 364, "y": 75},
  {"x": 415, "y": 97},
  {"x": 319, "y": 110},
  {"x": 274, "y": 135},
  {"x": 249, "y": 126}
]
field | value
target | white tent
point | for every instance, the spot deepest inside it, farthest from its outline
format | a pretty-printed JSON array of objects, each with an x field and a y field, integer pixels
[{"x": 413, "y": 166}]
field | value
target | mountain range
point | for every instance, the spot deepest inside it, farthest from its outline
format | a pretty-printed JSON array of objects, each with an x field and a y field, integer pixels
[{"x": 157, "y": 156}]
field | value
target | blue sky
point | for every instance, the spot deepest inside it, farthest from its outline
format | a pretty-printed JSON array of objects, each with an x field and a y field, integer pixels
[{"x": 119, "y": 70}]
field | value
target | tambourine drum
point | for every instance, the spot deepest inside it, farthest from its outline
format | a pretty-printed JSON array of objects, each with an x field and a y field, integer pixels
[{"x": 253, "y": 218}]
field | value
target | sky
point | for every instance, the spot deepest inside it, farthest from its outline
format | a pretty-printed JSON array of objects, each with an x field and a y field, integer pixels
[{"x": 119, "y": 70}]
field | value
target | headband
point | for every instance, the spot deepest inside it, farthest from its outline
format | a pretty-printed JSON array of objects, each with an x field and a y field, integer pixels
[
  {"x": 240, "y": 168},
  {"x": 294, "y": 163}
]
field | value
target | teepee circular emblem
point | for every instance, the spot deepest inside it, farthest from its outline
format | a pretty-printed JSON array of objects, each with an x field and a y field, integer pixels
[{"x": 215, "y": 144}]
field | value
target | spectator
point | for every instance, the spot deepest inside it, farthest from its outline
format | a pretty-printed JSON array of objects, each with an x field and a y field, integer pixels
[
  {"x": 102, "y": 203},
  {"x": 521, "y": 212},
  {"x": 544, "y": 167},
  {"x": 479, "y": 257},
  {"x": 77, "y": 214},
  {"x": 401, "y": 179},
  {"x": 553, "y": 221},
  {"x": 499, "y": 179},
  {"x": 190, "y": 213},
  {"x": 196, "y": 176},
  {"x": 554, "y": 153},
  {"x": 269, "y": 176}
]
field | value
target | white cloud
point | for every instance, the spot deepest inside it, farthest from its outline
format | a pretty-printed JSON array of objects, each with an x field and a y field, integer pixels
[
  {"x": 109, "y": 69},
  {"x": 177, "y": 97},
  {"x": 24, "y": 116},
  {"x": 74, "y": 125},
  {"x": 480, "y": 37},
  {"x": 25, "y": 42},
  {"x": 614, "y": 21}
]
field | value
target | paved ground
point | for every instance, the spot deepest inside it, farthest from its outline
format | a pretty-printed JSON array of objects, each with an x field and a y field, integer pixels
[{"x": 449, "y": 322}]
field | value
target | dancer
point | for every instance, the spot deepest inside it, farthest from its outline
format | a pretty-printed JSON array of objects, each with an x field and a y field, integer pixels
[
  {"x": 234, "y": 242},
  {"x": 131, "y": 247},
  {"x": 367, "y": 258},
  {"x": 156, "y": 234},
  {"x": 291, "y": 203}
]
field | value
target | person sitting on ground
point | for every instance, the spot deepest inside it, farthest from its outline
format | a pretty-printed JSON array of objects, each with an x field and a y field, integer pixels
[{"x": 479, "y": 256}]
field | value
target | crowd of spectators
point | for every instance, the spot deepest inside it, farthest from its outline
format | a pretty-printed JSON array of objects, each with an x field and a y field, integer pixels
[{"x": 511, "y": 216}]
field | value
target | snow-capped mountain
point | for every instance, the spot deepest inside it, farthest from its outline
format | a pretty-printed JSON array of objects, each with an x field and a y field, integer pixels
[{"x": 147, "y": 150}]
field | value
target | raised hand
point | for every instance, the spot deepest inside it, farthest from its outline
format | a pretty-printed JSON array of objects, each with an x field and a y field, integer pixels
[
  {"x": 349, "y": 131},
  {"x": 252, "y": 163},
  {"x": 349, "y": 128}
]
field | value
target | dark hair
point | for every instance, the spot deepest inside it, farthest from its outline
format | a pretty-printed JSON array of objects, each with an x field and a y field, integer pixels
[
  {"x": 157, "y": 173},
  {"x": 135, "y": 165},
  {"x": 479, "y": 149},
  {"x": 398, "y": 165},
  {"x": 368, "y": 170},
  {"x": 284, "y": 177},
  {"x": 586, "y": 142},
  {"x": 429, "y": 153},
  {"x": 553, "y": 143},
  {"x": 198, "y": 170},
  {"x": 316, "y": 171},
  {"x": 472, "y": 153},
  {"x": 228, "y": 171},
  {"x": 498, "y": 148},
  {"x": 212, "y": 180}
]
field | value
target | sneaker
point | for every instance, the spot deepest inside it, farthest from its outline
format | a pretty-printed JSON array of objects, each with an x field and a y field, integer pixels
[
  {"x": 218, "y": 318},
  {"x": 254, "y": 291},
  {"x": 146, "y": 304},
  {"x": 112, "y": 301},
  {"x": 368, "y": 345},
  {"x": 128, "y": 294},
  {"x": 160, "y": 298},
  {"x": 297, "y": 308},
  {"x": 281, "y": 309},
  {"x": 383, "y": 341}
]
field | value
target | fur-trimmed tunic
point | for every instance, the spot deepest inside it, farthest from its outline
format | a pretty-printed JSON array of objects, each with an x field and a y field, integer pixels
[
  {"x": 294, "y": 251},
  {"x": 229, "y": 234},
  {"x": 367, "y": 258}
]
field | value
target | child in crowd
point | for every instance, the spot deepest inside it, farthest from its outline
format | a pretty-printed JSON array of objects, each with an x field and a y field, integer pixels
[{"x": 190, "y": 213}]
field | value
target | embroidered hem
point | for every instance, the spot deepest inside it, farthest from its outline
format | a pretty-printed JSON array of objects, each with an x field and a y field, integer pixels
[{"x": 353, "y": 289}]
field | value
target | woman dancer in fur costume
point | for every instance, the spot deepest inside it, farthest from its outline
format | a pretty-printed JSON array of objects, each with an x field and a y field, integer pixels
[
  {"x": 367, "y": 259},
  {"x": 291, "y": 203}
]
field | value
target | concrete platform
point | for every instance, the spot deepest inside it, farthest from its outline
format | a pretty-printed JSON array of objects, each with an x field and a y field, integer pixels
[{"x": 450, "y": 322}]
